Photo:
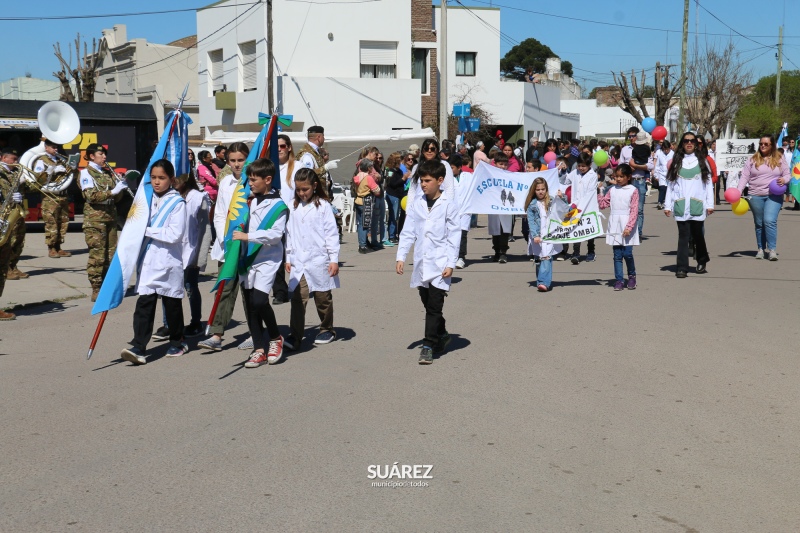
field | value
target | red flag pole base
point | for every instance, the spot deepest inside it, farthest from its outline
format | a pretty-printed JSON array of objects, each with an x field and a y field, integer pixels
[
  {"x": 96, "y": 334},
  {"x": 214, "y": 307}
]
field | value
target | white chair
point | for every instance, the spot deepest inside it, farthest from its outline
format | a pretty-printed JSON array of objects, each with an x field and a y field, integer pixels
[{"x": 347, "y": 211}]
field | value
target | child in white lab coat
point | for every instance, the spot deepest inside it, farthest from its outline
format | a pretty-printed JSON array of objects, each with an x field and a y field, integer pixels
[
  {"x": 462, "y": 181},
  {"x": 312, "y": 257},
  {"x": 537, "y": 206},
  {"x": 583, "y": 181},
  {"x": 263, "y": 239},
  {"x": 432, "y": 227},
  {"x": 160, "y": 266}
]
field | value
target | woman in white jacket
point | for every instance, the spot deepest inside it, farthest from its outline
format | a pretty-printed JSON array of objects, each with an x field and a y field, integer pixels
[
  {"x": 690, "y": 196},
  {"x": 312, "y": 257},
  {"x": 160, "y": 266}
]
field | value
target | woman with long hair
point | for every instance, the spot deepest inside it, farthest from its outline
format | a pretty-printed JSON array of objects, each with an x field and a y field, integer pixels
[
  {"x": 430, "y": 151},
  {"x": 395, "y": 190},
  {"x": 766, "y": 165},
  {"x": 288, "y": 168},
  {"x": 207, "y": 173},
  {"x": 690, "y": 196}
]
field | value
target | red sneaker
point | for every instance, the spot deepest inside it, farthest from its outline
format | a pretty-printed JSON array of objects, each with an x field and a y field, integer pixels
[
  {"x": 256, "y": 360},
  {"x": 275, "y": 353}
]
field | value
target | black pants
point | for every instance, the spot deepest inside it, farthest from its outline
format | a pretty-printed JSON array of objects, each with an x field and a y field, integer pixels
[
  {"x": 577, "y": 247},
  {"x": 691, "y": 229},
  {"x": 259, "y": 313},
  {"x": 145, "y": 314},
  {"x": 526, "y": 231},
  {"x": 500, "y": 244},
  {"x": 662, "y": 194},
  {"x": 280, "y": 289},
  {"x": 462, "y": 249},
  {"x": 433, "y": 300}
]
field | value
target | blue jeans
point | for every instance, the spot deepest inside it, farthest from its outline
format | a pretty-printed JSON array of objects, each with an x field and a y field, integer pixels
[
  {"x": 765, "y": 215},
  {"x": 544, "y": 274},
  {"x": 621, "y": 252},
  {"x": 362, "y": 233},
  {"x": 394, "y": 212},
  {"x": 641, "y": 186},
  {"x": 378, "y": 221}
]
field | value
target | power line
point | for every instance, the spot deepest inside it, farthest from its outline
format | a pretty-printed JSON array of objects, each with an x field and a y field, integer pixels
[
  {"x": 115, "y": 15},
  {"x": 727, "y": 26}
]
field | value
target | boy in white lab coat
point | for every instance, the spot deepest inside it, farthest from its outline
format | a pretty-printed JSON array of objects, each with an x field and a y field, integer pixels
[
  {"x": 583, "y": 181},
  {"x": 432, "y": 227},
  {"x": 463, "y": 179},
  {"x": 263, "y": 241},
  {"x": 160, "y": 266}
]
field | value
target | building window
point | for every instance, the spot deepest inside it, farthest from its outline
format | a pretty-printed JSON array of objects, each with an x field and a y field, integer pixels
[
  {"x": 378, "y": 59},
  {"x": 249, "y": 72},
  {"x": 215, "y": 71},
  {"x": 419, "y": 67},
  {"x": 465, "y": 63}
]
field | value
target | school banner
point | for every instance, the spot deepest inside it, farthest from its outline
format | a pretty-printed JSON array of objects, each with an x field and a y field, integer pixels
[
  {"x": 573, "y": 222},
  {"x": 493, "y": 191},
  {"x": 732, "y": 154}
]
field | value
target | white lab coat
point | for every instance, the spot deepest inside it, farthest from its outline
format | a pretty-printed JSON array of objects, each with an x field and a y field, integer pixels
[
  {"x": 662, "y": 165},
  {"x": 161, "y": 270},
  {"x": 224, "y": 195},
  {"x": 196, "y": 227},
  {"x": 583, "y": 185},
  {"x": 287, "y": 190},
  {"x": 499, "y": 224},
  {"x": 448, "y": 185},
  {"x": 262, "y": 274},
  {"x": 312, "y": 243},
  {"x": 695, "y": 195},
  {"x": 462, "y": 184},
  {"x": 436, "y": 237}
]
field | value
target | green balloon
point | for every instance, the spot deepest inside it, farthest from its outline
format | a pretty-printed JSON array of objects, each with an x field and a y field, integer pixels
[{"x": 600, "y": 158}]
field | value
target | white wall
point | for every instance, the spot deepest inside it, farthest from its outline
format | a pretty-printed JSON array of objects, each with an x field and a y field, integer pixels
[
  {"x": 544, "y": 112},
  {"x": 606, "y": 121},
  {"x": 138, "y": 72},
  {"x": 323, "y": 74},
  {"x": 23, "y": 88}
]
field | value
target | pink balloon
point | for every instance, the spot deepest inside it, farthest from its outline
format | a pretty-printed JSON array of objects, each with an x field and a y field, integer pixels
[
  {"x": 549, "y": 156},
  {"x": 732, "y": 195}
]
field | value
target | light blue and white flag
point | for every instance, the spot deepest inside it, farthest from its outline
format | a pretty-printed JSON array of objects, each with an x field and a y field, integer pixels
[
  {"x": 173, "y": 145},
  {"x": 782, "y": 135}
]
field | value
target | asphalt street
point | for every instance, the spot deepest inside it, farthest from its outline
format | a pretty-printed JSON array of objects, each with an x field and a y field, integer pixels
[{"x": 669, "y": 408}]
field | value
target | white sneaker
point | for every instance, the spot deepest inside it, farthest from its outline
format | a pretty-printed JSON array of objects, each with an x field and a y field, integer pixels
[
  {"x": 247, "y": 344},
  {"x": 760, "y": 254},
  {"x": 460, "y": 263},
  {"x": 771, "y": 255}
]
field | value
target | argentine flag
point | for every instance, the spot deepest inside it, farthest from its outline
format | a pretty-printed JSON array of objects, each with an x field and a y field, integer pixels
[{"x": 173, "y": 145}]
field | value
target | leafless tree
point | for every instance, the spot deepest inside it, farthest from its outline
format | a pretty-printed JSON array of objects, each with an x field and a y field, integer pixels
[
  {"x": 633, "y": 94},
  {"x": 83, "y": 75},
  {"x": 717, "y": 83},
  {"x": 467, "y": 93}
]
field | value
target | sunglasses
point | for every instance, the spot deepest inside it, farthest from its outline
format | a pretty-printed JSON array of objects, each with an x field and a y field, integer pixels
[
  {"x": 281, "y": 147},
  {"x": 765, "y": 144},
  {"x": 430, "y": 149},
  {"x": 632, "y": 136},
  {"x": 690, "y": 141}
]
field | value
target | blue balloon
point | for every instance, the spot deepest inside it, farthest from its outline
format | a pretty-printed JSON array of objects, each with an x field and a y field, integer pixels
[{"x": 649, "y": 124}]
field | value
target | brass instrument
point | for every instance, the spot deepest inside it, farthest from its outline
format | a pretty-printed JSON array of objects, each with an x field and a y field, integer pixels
[
  {"x": 119, "y": 179},
  {"x": 11, "y": 211}
]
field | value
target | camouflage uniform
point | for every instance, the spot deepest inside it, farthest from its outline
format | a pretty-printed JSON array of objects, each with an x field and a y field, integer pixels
[
  {"x": 99, "y": 222},
  {"x": 55, "y": 210},
  {"x": 7, "y": 250}
]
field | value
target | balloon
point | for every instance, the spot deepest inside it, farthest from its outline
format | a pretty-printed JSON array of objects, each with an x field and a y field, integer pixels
[
  {"x": 649, "y": 124},
  {"x": 549, "y": 156},
  {"x": 775, "y": 189},
  {"x": 600, "y": 158},
  {"x": 403, "y": 203},
  {"x": 741, "y": 207},
  {"x": 551, "y": 164},
  {"x": 659, "y": 133},
  {"x": 732, "y": 195}
]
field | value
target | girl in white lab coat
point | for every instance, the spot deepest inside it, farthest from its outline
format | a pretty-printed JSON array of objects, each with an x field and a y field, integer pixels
[
  {"x": 263, "y": 238},
  {"x": 432, "y": 227},
  {"x": 160, "y": 266},
  {"x": 312, "y": 257}
]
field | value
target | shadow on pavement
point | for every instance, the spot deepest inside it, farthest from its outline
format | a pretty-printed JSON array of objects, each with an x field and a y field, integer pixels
[{"x": 42, "y": 308}]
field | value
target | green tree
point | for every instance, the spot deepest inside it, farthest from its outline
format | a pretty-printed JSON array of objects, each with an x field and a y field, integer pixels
[
  {"x": 530, "y": 53},
  {"x": 759, "y": 115}
]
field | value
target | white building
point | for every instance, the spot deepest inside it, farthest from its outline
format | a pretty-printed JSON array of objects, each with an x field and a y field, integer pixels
[
  {"x": 136, "y": 71},
  {"x": 473, "y": 69},
  {"x": 28, "y": 88}
]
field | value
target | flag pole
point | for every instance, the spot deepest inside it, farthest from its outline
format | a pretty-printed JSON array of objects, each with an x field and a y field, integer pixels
[
  {"x": 104, "y": 313},
  {"x": 96, "y": 334}
]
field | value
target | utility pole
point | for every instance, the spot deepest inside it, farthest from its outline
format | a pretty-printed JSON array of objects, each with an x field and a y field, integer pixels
[
  {"x": 270, "y": 61},
  {"x": 443, "y": 74},
  {"x": 684, "y": 47},
  {"x": 780, "y": 60}
]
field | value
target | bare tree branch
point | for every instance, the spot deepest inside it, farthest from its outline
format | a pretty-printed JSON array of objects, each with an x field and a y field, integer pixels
[
  {"x": 84, "y": 74},
  {"x": 625, "y": 102}
]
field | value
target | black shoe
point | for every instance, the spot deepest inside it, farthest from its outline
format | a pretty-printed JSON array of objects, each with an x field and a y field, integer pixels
[
  {"x": 362, "y": 249},
  {"x": 377, "y": 247},
  {"x": 193, "y": 330},
  {"x": 291, "y": 343},
  {"x": 496, "y": 258},
  {"x": 502, "y": 259},
  {"x": 161, "y": 334},
  {"x": 680, "y": 274},
  {"x": 701, "y": 268},
  {"x": 426, "y": 356},
  {"x": 575, "y": 259},
  {"x": 444, "y": 340},
  {"x": 279, "y": 301}
]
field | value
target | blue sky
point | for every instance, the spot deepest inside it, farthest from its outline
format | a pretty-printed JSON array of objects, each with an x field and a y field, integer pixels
[{"x": 594, "y": 49}]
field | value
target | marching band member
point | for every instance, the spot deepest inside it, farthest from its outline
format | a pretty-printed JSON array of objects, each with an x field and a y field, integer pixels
[
  {"x": 9, "y": 158},
  {"x": 55, "y": 206}
]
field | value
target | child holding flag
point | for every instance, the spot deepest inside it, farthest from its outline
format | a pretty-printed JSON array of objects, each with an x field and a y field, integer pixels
[
  {"x": 263, "y": 238},
  {"x": 583, "y": 181},
  {"x": 312, "y": 256},
  {"x": 432, "y": 227},
  {"x": 537, "y": 205},
  {"x": 160, "y": 266}
]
